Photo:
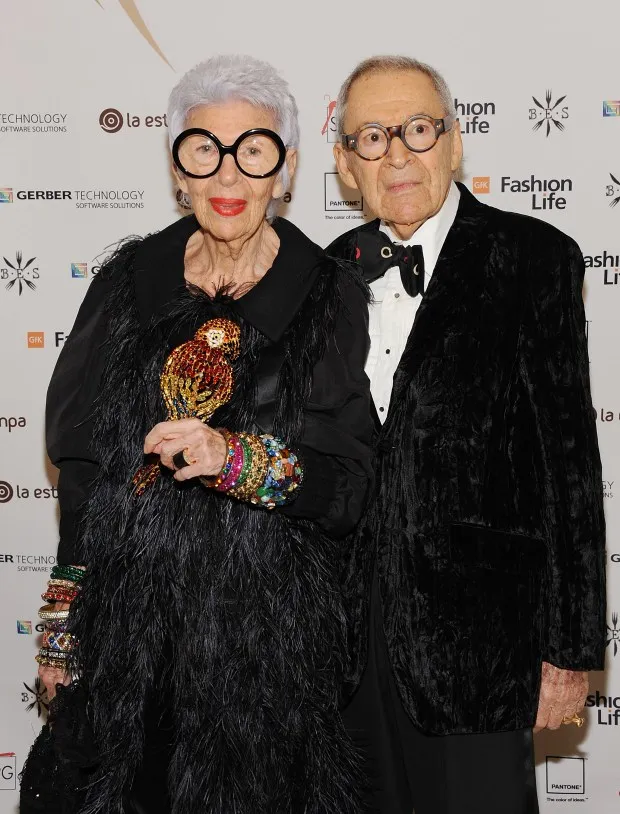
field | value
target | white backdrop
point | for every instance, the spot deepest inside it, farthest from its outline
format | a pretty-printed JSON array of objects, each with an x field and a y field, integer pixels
[{"x": 83, "y": 162}]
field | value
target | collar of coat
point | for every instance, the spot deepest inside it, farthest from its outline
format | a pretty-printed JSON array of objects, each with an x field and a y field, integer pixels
[{"x": 269, "y": 306}]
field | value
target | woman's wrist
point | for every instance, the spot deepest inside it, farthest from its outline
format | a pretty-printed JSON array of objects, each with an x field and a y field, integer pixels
[
  {"x": 258, "y": 469},
  {"x": 62, "y": 587}
]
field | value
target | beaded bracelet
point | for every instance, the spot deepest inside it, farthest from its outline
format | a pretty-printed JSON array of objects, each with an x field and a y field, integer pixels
[
  {"x": 69, "y": 572},
  {"x": 257, "y": 470},
  {"x": 60, "y": 641},
  {"x": 52, "y": 658},
  {"x": 46, "y": 614},
  {"x": 58, "y": 594},
  {"x": 284, "y": 474}
]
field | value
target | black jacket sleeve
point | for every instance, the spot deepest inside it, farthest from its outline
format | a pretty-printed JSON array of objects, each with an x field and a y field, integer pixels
[
  {"x": 554, "y": 372},
  {"x": 338, "y": 427}
]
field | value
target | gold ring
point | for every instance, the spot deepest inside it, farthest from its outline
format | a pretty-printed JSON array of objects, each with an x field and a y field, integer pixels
[{"x": 575, "y": 719}]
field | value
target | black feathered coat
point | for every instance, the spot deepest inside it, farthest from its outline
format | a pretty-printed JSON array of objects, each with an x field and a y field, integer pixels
[
  {"x": 487, "y": 530},
  {"x": 209, "y": 629}
]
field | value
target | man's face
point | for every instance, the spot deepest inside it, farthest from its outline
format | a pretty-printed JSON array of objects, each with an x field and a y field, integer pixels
[{"x": 403, "y": 188}]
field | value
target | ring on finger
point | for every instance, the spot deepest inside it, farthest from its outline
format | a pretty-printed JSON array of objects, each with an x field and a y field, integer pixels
[{"x": 181, "y": 459}]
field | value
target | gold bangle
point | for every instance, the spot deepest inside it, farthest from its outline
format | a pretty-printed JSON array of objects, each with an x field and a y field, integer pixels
[{"x": 258, "y": 470}]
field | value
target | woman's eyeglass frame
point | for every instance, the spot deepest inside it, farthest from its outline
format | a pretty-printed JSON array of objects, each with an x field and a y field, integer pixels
[
  {"x": 231, "y": 149},
  {"x": 440, "y": 126}
]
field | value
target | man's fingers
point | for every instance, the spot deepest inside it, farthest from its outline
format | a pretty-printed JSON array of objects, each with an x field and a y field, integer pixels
[{"x": 555, "y": 718}]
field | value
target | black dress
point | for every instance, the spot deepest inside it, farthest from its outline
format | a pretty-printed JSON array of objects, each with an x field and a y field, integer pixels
[{"x": 211, "y": 632}]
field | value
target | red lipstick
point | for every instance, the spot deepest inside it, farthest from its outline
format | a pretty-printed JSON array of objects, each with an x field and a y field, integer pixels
[{"x": 228, "y": 207}]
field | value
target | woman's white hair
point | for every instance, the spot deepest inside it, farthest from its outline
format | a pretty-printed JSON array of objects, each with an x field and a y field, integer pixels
[{"x": 236, "y": 77}]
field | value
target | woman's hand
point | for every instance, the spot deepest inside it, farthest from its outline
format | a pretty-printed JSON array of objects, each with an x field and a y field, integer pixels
[
  {"x": 203, "y": 445},
  {"x": 50, "y": 676}
]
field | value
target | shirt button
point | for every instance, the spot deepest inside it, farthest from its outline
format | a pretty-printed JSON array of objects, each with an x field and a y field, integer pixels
[
  {"x": 387, "y": 350},
  {"x": 381, "y": 409},
  {"x": 397, "y": 295}
]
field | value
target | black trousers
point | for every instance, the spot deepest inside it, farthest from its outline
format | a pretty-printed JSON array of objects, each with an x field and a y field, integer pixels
[{"x": 409, "y": 772}]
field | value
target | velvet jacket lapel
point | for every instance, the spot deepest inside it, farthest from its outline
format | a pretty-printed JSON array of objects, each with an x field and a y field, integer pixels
[{"x": 459, "y": 253}]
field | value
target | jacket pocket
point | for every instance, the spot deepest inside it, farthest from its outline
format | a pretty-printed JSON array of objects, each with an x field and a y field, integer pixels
[{"x": 491, "y": 609}]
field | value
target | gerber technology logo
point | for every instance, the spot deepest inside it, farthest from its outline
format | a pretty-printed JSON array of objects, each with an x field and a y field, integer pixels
[
  {"x": 550, "y": 113},
  {"x": 112, "y": 120},
  {"x": 8, "y": 771},
  {"x": 565, "y": 775},
  {"x": 31, "y": 122},
  {"x": 474, "y": 117},
  {"x": 543, "y": 191},
  {"x": 611, "y": 108}
]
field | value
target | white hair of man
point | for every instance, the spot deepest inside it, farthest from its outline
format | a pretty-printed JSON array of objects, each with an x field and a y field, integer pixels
[
  {"x": 237, "y": 77},
  {"x": 383, "y": 64}
]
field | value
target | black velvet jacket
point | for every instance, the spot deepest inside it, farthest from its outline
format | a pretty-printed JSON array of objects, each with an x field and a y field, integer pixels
[{"x": 487, "y": 529}]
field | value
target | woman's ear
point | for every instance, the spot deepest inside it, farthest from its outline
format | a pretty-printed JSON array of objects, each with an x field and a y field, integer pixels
[
  {"x": 179, "y": 177},
  {"x": 291, "y": 164}
]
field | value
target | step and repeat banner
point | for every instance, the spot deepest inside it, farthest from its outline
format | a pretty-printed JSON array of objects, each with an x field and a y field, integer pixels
[{"x": 84, "y": 162}]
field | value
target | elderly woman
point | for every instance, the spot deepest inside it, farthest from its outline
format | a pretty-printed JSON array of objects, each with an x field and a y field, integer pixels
[{"x": 210, "y": 418}]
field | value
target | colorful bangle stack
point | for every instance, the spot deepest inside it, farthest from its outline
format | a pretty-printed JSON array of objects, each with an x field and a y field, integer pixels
[
  {"x": 258, "y": 469},
  {"x": 63, "y": 586}
]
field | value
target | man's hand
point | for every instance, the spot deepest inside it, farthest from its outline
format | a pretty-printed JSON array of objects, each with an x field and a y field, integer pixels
[
  {"x": 562, "y": 695},
  {"x": 204, "y": 445}
]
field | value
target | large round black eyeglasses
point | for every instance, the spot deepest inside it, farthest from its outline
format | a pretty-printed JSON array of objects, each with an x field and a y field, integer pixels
[
  {"x": 419, "y": 134},
  {"x": 258, "y": 153}
]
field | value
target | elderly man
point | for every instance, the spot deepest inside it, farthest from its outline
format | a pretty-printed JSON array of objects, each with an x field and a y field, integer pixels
[{"x": 476, "y": 581}]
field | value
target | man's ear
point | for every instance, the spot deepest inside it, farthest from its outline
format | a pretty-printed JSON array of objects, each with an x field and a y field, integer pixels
[
  {"x": 457, "y": 146},
  {"x": 342, "y": 165}
]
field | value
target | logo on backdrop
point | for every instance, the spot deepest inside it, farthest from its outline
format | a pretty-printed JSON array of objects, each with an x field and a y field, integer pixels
[
  {"x": 83, "y": 198},
  {"x": 474, "y": 116},
  {"x": 19, "y": 274},
  {"x": 481, "y": 184},
  {"x": 29, "y": 562},
  {"x": 131, "y": 10},
  {"x": 112, "y": 120},
  {"x": 543, "y": 191},
  {"x": 20, "y": 122},
  {"x": 11, "y": 423},
  {"x": 24, "y": 627},
  {"x": 550, "y": 113},
  {"x": 565, "y": 775},
  {"x": 26, "y": 492},
  {"x": 608, "y": 262},
  {"x": 613, "y": 191},
  {"x": 608, "y": 489},
  {"x": 6, "y": 491},
  {"x": 35, "y": 697},
  {"x": 6, "y": 195},
  {"x": 611, "y": 108},
  {"x": 336, "y": 202},
  {"x": 79, "y": 271},
  {"x": 607, "y": 706},
  {"x": 613, "y": 633},
  {"x": 8, "y": 771},
  {"x": 329, "y": 129}
]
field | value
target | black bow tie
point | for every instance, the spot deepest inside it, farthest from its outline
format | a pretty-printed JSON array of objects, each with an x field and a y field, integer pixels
[{"x": 376, "y": 254}]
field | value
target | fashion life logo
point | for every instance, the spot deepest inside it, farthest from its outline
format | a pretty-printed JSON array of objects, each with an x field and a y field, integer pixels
[
  {"x": 19, "y": 275},
  {"x": 474, "y": 117},
  {"x": 565, "y": 775},
  {"x": 607, "y": 707},
  {"x": 8, "y": 771},
  {"x": 131, "y": 10},
  {"x": 607, "y": 265},
  {"x": 481, "y": 184},
  {"x": 21, "y": 122},
  {"x": 545, "y": 193},
  {"x": 329, "y": 129},
  {"x": 611, "y": 109},
  {"x": 35, "y": 340},
  {"x": 112, "y": 120},
  {"x": 548, "y": 114}
]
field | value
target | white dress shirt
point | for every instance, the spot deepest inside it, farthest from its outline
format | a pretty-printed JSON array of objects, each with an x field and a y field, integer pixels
[{"x": 392, "y": 311}]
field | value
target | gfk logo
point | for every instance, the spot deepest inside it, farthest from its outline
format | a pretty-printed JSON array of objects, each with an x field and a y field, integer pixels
[
  {"x": 36, "y": 339},
  {"x": 481, "y": 184}
]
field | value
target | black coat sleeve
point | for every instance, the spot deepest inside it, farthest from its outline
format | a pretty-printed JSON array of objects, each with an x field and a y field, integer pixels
[
  {"x": 554, "y": 372},
  {"x": 338, "y": 427},
  {"x": 70, "y": 398}
]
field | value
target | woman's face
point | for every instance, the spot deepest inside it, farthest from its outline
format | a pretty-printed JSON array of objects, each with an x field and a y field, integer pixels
[{"x": 229, "y": 205}]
